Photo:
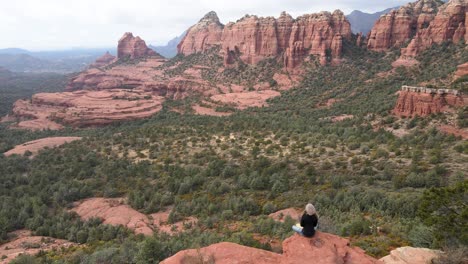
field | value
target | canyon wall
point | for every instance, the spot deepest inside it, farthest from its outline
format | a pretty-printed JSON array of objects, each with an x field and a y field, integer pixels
[
  {"x": 420, "y": 24},
  {"x": 423, "y": 102},
  {"x": 252, "y": 39}
]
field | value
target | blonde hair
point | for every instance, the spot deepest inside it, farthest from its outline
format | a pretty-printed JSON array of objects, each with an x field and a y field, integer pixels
[{"x": 310, "y": 209}]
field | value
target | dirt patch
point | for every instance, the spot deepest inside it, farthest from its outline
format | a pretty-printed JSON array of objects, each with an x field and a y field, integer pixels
[
  {"x": 246, "y": 99},
  {"x": 160, "y": 221},
  {"x": 281, "y": 215},
  {"x": 405, "y": 62},
  {"x": 329, "y": 103},
  {"x": 341, "y": 118},
  {"x": 25, "y": 243},
  {"x": 459, "y": 132},
  {"x": 201, "y": 110},
  {"x": 36, "y": 145}
]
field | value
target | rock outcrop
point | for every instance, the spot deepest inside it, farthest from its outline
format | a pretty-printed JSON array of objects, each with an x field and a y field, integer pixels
[
  {"x": 133, "y": 47},
  {"x": 413, "y": 102},
  {"x": 410, "y": 255},
  {"x": 398, "y": 26},
  {"x": 36, "y": 145},
  {"x": 114, "y": 211},
  {"x": 25, "y": 243},
  {"x": 85, "y": 108},
  {"x": 324, "y": 248},
  {"x": 422, "y": 24},
  {"x": 102, "y": 61},
  {"x": 462, "y": 70},
  {"x": 202, "y": 36},
  {"x": 252, "y": 39}
]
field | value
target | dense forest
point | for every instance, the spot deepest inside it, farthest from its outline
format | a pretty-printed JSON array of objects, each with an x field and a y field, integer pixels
[{"x": 382, "y": 190}]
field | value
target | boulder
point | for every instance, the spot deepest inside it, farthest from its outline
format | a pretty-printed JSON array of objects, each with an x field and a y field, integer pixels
[{"x": 411, "y": 255}]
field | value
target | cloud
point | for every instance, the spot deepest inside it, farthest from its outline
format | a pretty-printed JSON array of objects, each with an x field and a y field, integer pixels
[{"x": 54, "y": 24}]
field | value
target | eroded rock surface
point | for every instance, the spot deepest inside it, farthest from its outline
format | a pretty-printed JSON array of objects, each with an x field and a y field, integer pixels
[
  {"x": 36, "y": 145},
  {"x": 410, "y": 255},
  {"x": 462, "y": 70},
  {"x": 115, "y": 212},
  {"x": 26, "y": 243},
  {"x": 133, "y": 47},
  {"x": 410, "y": 104},
  {"x": 85, "y": 108},
  {"x": 423, "y": 23},
  {"x": 252, "y": 39},
  {"x": 323, "y": 248}
]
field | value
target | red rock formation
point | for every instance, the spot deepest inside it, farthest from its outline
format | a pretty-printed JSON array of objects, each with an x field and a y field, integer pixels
[
  {"x": 36, "y": 145},
  {"x": 133, "y": 47},
  {"x": 253, "y": 38},
  {"x": 398, "y": 26},
  {"x": 411, "y": 104},
  {"x": 103, "y": 60},
  {"x": 202, "y": 36},
  {"x": 423, "y": 23},
  {"x": 462, "y": 70},
  {"x": 324, "y": 248}
]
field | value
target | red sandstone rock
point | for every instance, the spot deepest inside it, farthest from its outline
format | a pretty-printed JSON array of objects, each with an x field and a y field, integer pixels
[
  {"x": 411, "y": 104},
  {"x": 424, "y": 23},
  {"x": 202, "y": 36},
  {"x": 398, "y": 26},
  {"x": 36, "y": 145},
  {"x": 18, "y": 245},
  {"x": 323, "y": 248},
  {"x": 86, "y": 108},
  {"x": 410, "y": 255},
  {"x": 462, "y": 70},
  {"x": 104, "y": 60},
  {"x": 116, "y": 212},
  {"x": 133, "y": 47},
  {"x": 253, "y": 38}
]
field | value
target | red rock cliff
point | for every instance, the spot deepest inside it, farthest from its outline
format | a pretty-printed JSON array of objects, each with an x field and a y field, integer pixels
[
  {"x": 202, "y": 36},
  {"x": 253, "y": 38},
  {"x": 398, "y": 26},
  {"x": 410, "y": 103},
  {"x": 133, "y": 47},
  {"x": 423, "y": 23}
]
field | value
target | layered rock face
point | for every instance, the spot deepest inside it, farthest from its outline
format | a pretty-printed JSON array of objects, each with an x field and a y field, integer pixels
[
  {"x": 102, "y": 61},
  {"x": 448, "y": 25},
  {"x": 324, "y": 248},
  {"x": 415, "y": 103},
  {"x": 202, "y": 36},
  {"x": 398, "y": 26},
  {"x": 253, "y": 38},
  {"x": 423, "y": 23},
  {"x": 462, "y": 70},
  {"x": 133, "y": 47}
]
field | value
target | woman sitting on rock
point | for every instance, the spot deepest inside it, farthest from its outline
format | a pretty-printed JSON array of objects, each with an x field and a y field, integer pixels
[{"x": 309, "y": 222}]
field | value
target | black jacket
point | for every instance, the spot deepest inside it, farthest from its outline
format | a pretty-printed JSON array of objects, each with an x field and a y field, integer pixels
[{"x": 309, "y": 222}]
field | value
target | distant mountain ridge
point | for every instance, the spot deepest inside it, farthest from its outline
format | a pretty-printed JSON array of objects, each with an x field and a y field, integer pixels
[
  {"x": 170, "y": 49},
  {"x": 363, "y": 22},
  {"x": 58, "y": 61}
]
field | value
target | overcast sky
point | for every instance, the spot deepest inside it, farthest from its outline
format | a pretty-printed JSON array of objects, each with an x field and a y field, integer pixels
[{"x": 62, "y": 24}]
